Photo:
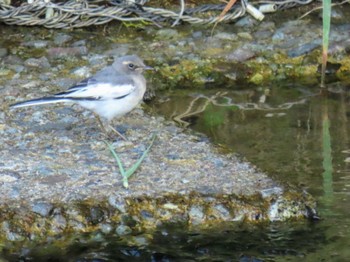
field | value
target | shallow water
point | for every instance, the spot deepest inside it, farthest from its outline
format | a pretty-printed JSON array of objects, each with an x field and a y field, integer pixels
[{"x": 297, "y": 135}]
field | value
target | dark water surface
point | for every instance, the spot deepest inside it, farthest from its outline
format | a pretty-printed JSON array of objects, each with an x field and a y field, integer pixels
[{"x": 299, "y": 137}]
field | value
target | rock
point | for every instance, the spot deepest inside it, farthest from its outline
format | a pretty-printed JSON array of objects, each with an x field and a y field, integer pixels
[
  {"x": 13, "y": 60},
  {"x": 37, "y": 44},
  {"x": 197, "y": 34},
  {"x": 226, "y": 36},
  {"x": 42, "y": 208},
  {"x": 167, "y": 34},
  {"x": 82, "y": 72},
  {"x": 245, "y": 36},
  {"x": 41, "y": 62},
  {"x": 79, "y": 43},
  {"x": 117, "y": 51},
  {"x": 62, "y": 52},
  {"x": 61, "y": 39},
  {"x": 3, "y": 52},
  {"x": 123, "y": 230},
  {"x": 304, "y": 49},
  {"x": 196, "y": 215},
  {"x": 240, "y": 55}
]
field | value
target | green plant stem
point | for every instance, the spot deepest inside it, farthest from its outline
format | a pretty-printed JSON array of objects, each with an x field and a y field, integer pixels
[{"x": 129, "y": 172}]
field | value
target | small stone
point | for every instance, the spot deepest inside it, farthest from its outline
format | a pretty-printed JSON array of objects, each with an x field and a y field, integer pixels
[
  {"x": 196, "y": 215},
  {"x": 96, "y": 215},
  {"x": 240, "y": 55},
  {"x": 226, "y": 36},
  {"x": 61, "y": 52},
  {"x": 167, "y": 34},
  {"x": 304, "y": 49},
  {"x": 42, "y": 208},
  {"x": 245, "y": 35},
  {"x": 79, "y": 43},
  {"x": 123, "y": 230},
  {"x": 82, "y": 72},
  {"x": 106, "y": 228},
  {"x": 41, "y": 62},
  {"x": 197, "y": 34},
  {"x": 3, "y": 52},
  {"x": 60, "y": 39},
  {"x": 59, "y": 222},
  {"x": 37, "y": 44}
]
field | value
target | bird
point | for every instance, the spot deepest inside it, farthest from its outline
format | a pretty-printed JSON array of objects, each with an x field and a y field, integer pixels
[{"x": 110, "y": 93}]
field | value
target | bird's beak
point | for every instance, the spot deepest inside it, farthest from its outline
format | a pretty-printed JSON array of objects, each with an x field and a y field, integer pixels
[{"x": 148, "y": 68}]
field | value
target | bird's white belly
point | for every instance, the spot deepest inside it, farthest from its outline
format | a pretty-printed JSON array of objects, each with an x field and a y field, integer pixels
[{"x": 111, "y": 108}]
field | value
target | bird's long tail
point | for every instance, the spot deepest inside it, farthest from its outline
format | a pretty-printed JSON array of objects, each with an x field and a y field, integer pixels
[{"x": 40, "y": 101}]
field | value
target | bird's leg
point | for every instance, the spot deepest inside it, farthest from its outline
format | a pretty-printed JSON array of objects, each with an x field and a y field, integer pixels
[{"x": 110, "y": 127}]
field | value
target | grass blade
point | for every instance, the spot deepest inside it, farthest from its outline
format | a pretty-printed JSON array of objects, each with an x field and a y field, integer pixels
[
  {"x": 132, "y": 169},
  {"x": 129, "y": 172}
]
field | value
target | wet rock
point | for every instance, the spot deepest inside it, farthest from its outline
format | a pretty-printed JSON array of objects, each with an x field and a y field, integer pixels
[
  {"x": 240, "y": 55},
  {"x": 263, "y": 34},
  {"x": 37, "y": 43},
  {"x": 196, "y": 215},
  {"x": 64, "y": 52},
  {"x": 219, "y": 211},
  {"x": 3, "y": 52},
  {"x": 41, "y": 62},
  {"x": 64, "y": 83},
  {"x": 81, "y": 72},
  {"x": 11, "y": 233},
  {"x": 79, "y": 43},
  {"x": 117, "y": 203},
  {"x": 106, "y": 228},
  {"x": 97, "y": 60},
  {"x": 61, "y": 39},
  {"x": 13, "y": 60},
  {"x": 245, "y": 35},
  {"x": 304, "y": 49},
  {"x": 123, "y": 230},
  {"x": 58, "y": 223},
  {"x": 197, "y": 34},
  {"x": 42, "y": 208},
  {"x": 96, "y": 215},
  {"x": 117, "y": 51},
  {"x": 246, "y": 22},
  {"x": 226, "y": 36},
  {"x": 167, "y": 34},
  {"x": 17, "y": 68}
]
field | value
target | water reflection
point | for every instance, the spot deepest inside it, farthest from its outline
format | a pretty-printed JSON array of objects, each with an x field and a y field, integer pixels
[
  {"x": 227, "y": 242},
  {"x": 295, "y": 134}
]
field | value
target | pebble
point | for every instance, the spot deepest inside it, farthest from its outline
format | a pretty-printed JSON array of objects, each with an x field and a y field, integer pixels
[
  {"x": 37, "y": 43},
  {"x": 82, "y": 72},
  {"x": 61, "y": 39},
  {"x": 196, "y": 215},
  {"x": 167, "y": 34},
  {"x": 226, "y": 36},
  {"x": 123, "y": 230},
  {"x": 42, "y": 208},
  {"x": 66, "y": 52},
  {"x": 304, "y": 49},
  {"x": 240, "y": 55},
  {"x": 41, "y": 62},
  {"x": 3, "y": 52}
]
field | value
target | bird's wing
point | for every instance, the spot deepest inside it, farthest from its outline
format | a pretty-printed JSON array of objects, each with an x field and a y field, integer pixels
[{"x": 93, "y": 88}]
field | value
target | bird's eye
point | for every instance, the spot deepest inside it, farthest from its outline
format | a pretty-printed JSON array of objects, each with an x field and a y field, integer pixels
[{"x": 131, "y": 66}]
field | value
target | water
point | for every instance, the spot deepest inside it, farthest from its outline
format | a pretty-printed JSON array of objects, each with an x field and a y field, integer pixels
[{"x": 297, "y": 135}]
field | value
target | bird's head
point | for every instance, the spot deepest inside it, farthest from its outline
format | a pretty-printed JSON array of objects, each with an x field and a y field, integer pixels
[{"x": 130, "y": 64}]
